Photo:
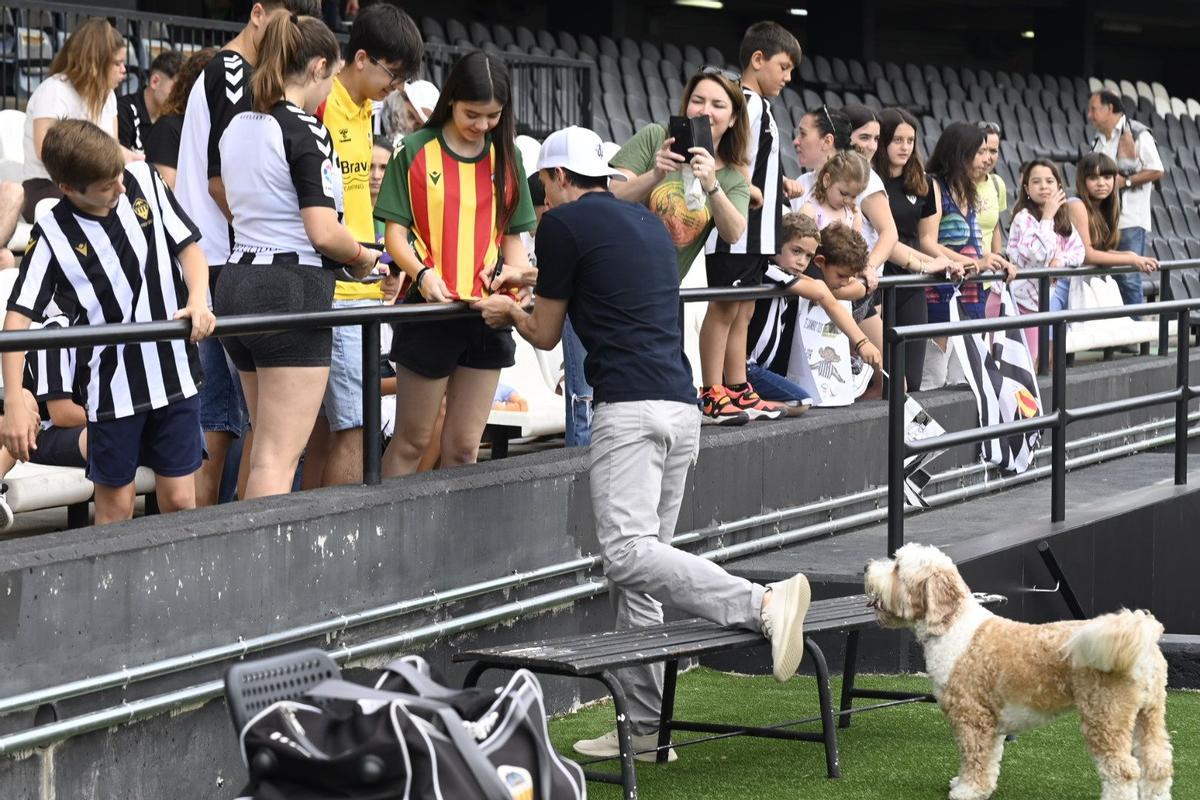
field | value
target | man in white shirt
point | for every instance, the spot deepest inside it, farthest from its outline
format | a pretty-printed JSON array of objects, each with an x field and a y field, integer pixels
[{"x": 1132, "y": 146}]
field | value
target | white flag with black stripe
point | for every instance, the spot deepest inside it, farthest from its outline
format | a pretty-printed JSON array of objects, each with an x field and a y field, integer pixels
[{"x": 1000, "y": 372}]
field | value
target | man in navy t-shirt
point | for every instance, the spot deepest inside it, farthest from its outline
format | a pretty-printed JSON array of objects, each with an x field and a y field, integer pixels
[{"x": 611, "y": 265}]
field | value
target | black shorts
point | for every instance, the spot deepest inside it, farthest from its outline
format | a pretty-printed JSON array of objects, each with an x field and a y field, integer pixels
[
  {"x": 168, "y": 440},
  {"x": 59, "y": 447},
  {"x": 434, "y": 349},
  {"x": 275, "y": 289},
  {"x": 735, "y": 269}
]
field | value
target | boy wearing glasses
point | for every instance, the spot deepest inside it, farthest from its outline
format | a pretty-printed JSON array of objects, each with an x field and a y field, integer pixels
[{"x": 385, "y": 47}]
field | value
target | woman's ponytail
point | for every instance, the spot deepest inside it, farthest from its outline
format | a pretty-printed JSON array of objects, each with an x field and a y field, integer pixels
[{"x": 288, "y": 44}]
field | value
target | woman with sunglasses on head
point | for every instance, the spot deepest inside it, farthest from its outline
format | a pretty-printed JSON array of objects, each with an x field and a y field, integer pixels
[
  {"x": 692, "y": 197},
  {"x": 915, "y": 202},
  {"x": 455, "y": 200},
  {"x": 816, "y": 142}
]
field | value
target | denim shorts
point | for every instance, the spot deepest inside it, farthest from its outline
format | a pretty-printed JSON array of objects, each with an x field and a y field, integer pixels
[
  {"x": 167, "y": 440},
  {"x": 222, "y": 404},
  {"x": 343, "y": 402}
]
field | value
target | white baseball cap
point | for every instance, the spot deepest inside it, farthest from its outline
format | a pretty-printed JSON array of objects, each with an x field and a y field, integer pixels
[
  {"x": 579, "y": 150},
  {"x": 423, "y": 95}
]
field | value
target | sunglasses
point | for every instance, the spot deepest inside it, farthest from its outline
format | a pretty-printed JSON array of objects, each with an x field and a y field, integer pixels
[
  {"x": 989, "y": 127},
  {"x": 729, "y": 75}
]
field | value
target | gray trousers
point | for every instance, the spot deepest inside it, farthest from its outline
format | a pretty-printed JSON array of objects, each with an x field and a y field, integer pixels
[{"x": 640, "y": 454}]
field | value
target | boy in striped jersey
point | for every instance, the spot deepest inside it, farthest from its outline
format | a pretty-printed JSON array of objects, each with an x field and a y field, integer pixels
[
  {"x": 768, "y": 54},
  {"x": 117, "y": 249}
]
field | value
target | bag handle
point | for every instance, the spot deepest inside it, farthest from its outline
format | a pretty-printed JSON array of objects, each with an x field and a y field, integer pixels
[
  {"x": 421, "y": 683},
  {"x": 482, "y": 770}
]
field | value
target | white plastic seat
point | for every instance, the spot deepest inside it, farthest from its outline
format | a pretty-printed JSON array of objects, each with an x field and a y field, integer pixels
[
  {"x": 1144, "y": 90},
  {"x": 12, "y": 135},
  {"x": 1095, "y": 84},
  {"x": 1128, "y": 89},
  {"x": 1178, "y": 107},
  {"x": 1193, "y": 107},
  {"x": 1159, "y": 90},
  {"x": 529, "y": 148},
  {"x": 547, "y": 412}
]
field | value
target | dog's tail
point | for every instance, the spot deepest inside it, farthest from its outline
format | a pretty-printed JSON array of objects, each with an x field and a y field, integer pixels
[{"x": 1114, "y": 642}]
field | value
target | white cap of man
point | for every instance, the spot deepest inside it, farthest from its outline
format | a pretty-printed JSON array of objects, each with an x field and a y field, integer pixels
[
  {"x": 424, "y": 97},
  {"x": 579, "y": 150}
]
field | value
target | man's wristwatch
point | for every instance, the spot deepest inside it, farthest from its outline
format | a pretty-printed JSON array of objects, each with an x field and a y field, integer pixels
[{"x": 1128, "y": 182}]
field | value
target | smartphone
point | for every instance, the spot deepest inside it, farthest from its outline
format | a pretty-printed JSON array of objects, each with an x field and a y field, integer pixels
[
  {"x": 690, "y": 132},
  {"x": 680, "y": 130}
]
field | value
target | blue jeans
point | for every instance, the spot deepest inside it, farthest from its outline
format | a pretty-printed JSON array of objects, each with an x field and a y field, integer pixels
[
  {"x": 1131, "y": 284},
  {"x": 773, "y": 386},
  {"x": 577, "y": 394},
  {"x": 222, "y": 404}
]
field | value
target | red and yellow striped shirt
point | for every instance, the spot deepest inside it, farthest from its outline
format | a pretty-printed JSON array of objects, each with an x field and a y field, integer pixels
[{"x": 449, "y": 205}]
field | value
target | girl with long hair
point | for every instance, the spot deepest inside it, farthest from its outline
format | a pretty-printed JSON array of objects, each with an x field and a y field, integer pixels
[
  {"x": 1095, "y": 212},
  {"x": 162, "y": 145},
  {"x": 284, "y": 190},
  {"x": 915, "y": 202},
  {"x": 1042, "y": 237},
  {"x": 455, "y": 200},
  {"x": 694, "y": 196},
  {"x": 79, "y": 85}
]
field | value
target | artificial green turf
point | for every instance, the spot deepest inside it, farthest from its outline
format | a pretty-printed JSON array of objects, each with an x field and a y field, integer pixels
[{"x": 901, "y": 753}]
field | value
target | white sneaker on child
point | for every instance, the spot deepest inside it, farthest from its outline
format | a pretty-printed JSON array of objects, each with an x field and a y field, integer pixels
[{"x": 783, "y": 623}]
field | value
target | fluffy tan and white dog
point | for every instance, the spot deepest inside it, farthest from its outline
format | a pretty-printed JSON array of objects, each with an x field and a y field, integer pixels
[{"x": 993, "y": 676}]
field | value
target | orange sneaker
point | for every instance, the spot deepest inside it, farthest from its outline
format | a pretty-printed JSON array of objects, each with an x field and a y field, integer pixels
[
  {"x": 755, "y": 407},
  {"x": 718, "y": 408}
]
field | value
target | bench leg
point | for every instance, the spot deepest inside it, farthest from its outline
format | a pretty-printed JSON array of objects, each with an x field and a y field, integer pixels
[
  {"x": 667, "y": 713},
  {"x": 828, "y": 728},
  {"x": 849, "y": 672},
  {"x": 624, "y": 734},
  {"x": 472, "y": 679}
]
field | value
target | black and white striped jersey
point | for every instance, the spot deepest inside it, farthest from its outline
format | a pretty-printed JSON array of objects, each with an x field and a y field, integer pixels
[
  {"x": 764, "y": 224},
  {"x": 274, "y": 165},
  {"x": 773, "y": 325},
  {"x": 133, "y": 121},
  {"x": 121, "y": 267},
  {"x": 50, "y": 374},
  {"x": 221, "y": 92}
]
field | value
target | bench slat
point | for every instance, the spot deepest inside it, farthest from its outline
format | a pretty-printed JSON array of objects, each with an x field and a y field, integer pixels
[{"x": 591, "y": 653}]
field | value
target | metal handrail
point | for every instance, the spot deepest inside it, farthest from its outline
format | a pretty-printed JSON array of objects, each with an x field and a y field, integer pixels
[{"x": 1059, "y": 417}]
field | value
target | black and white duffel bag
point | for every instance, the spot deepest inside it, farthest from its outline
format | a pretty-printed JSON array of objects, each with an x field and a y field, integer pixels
[{"x": 408, "y": 738}]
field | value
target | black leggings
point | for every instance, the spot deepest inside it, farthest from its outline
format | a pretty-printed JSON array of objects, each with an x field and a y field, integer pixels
[{"x": 911, "y": 309}]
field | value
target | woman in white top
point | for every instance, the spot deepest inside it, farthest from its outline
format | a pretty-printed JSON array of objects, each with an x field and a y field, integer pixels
[{"x": 80, "y": 85}]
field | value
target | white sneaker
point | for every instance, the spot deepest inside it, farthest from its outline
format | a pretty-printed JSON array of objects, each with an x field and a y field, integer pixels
[
  {"x": 606, "y": 747},
  {"x": 783, "y": 624}
]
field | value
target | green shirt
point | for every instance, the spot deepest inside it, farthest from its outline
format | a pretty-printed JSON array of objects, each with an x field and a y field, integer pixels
[{"x": 688, "y": 229}]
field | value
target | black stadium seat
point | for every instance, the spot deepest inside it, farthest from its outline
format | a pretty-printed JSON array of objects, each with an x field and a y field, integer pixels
[
  {"x": 874, "y": 71},
  {"x": 807, "y": 72},
  {"x": 672, "y": 53},
  {"x": 587, "y": 45},
  {"x": 841, "y": 72},
  {"x": 651, "y": 52},
  {"x": 824, "y": 71},
  {"x": 1162, "y": 222},
  {"x": 884, "y": 91},
  {"x": 858, "y": 74}
]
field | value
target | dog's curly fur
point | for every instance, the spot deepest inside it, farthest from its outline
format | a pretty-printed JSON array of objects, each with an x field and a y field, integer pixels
[{"x": 993, "y": 676}]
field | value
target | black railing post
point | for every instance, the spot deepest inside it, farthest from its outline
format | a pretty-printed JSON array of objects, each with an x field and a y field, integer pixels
[
  {"x": 1043, "y": 364},
  {"x": 1183, "y": 356},
  {"x": 1164, "y": 322},
  {"x": 1058, "y": 439},
  {"x": 372, "y": 433},
  {"x": 889, "y": 322},
  {"x": 895, "y": 474}
]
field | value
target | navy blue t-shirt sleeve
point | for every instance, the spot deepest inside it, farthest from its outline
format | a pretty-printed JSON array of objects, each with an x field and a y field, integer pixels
[{"x": 557, "y": 258}]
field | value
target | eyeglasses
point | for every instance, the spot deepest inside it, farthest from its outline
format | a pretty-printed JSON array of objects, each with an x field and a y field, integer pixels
[
  {"x": 989, "y": 127},
  {"x": 729, "y": 75},
  {"x": 396, "y": 80}
]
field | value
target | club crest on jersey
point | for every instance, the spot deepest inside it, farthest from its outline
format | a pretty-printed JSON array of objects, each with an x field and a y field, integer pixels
[
  {"x": 142, "y": 209},
  {"x": 82, "y": 249}
]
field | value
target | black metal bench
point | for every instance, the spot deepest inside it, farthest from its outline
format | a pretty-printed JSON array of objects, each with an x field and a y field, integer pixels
[{"x": 597, "y": 656}]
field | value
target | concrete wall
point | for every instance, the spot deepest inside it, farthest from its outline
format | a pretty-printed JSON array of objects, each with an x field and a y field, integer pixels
[{"x": 84, "y": 602}]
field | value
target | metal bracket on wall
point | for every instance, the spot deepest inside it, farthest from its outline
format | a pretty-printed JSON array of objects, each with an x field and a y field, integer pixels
[{"x": 1063, "y": 585}]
